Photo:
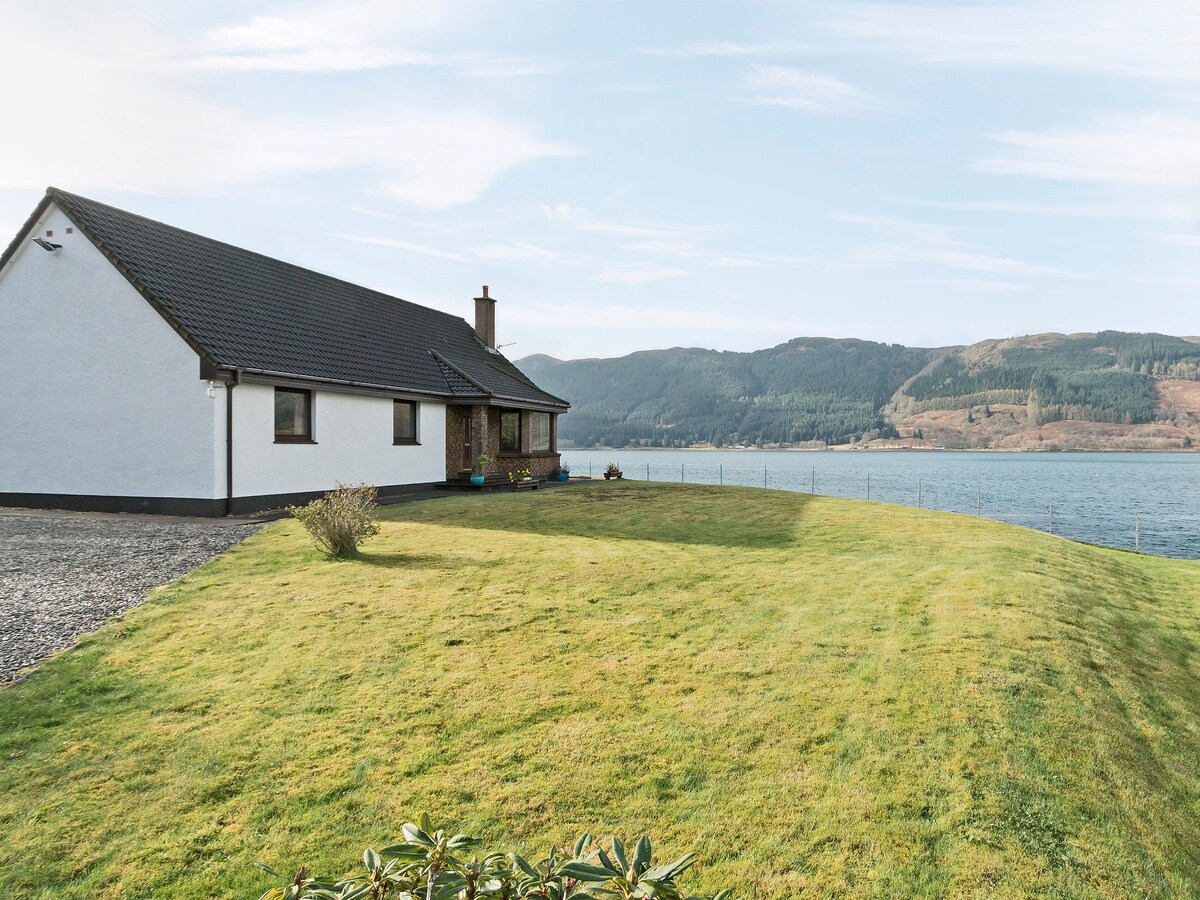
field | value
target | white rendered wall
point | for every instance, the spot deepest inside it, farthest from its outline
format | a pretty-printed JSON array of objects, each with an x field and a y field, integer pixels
[
  {"x": 353, "y": 437},
  {"x": 98, "y": 395}
]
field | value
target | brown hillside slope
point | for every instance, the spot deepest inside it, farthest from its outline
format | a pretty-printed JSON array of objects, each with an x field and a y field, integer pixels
[{"x": 1008, "y": 426}]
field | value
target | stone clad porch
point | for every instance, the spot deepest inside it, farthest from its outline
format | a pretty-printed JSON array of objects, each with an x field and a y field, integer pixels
[{"x": 529, "y": 438}]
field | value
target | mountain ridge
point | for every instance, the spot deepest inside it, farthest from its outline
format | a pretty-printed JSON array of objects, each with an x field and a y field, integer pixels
[{"x": 1052, "y": 390}]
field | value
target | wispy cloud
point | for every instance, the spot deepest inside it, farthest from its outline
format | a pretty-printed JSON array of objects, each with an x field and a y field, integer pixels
[
  {"x": 923, "y": 244},
  {"x": 642, "y": 88},
  {"x": 1179, "y": 240},
  {"x": 678, "y": 321},
  {"x": 638, "y": 275},
  {"x": 1137, "y": 206},
  {"x": 907, "y": 229},
  {"x": 407, "y": 246},
  {"x": 817, "y": 92},
  {"x": 326, "y": 37},
  {"x": 1117, "y": 148},
  {"x": 581, "y": 219},
  {"x": 431, "y": 159},
  {"x": 724, "y": 49},
  {"x": 698, "y": 254},
  {"x": 1156, "y": 39},
  {"x": 315, "y": 59},
  {"x": 355, "y": 36},
  {"x": 1168, "y": 281},
  {"x": 979, "y": 285},
  {"x": 357, "y": 59},
  {"x": 951, "y": 258},
  {"x": 530, "y": 252}
]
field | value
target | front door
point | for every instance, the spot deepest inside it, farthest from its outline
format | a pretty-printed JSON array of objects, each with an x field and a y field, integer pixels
[{"x": 466, "y": 450}]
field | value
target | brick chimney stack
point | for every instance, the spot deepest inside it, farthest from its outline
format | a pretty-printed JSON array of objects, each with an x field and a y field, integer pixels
[{"x": 485, "y": 319}]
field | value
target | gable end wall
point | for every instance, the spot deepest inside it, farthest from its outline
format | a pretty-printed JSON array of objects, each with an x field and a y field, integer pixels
[{"x": 98, "y": 394}]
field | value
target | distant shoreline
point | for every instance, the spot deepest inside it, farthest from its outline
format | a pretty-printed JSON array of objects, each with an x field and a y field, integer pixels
[{"x": 846, "y": 448}]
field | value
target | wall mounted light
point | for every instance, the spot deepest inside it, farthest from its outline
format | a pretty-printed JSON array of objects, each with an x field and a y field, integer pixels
[{"x": 212, "y": 390}]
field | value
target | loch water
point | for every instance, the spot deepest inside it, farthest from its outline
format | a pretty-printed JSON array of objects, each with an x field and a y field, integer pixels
[{"x": 1149, "y": 501}]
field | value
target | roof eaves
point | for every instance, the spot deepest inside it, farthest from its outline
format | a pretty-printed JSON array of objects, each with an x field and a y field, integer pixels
[
  {"x": 11, "y": 250},
  {"x": 530, "y": 401},
  {"x": 317, "y": 380}
]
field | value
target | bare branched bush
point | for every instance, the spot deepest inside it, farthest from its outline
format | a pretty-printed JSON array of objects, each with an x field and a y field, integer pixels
[{"x": 342, "y": 519}]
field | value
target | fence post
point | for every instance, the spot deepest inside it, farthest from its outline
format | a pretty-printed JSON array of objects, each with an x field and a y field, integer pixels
[
  {"x": 764, "y": 476},
  {"x": 1137, "y": 532},
  {"x": 647, "y": 471},
  {"x": 721, "y": 473},
  {"x": 589, "y": 470},
  {"x": 812, "y": 487},
  {"x": 868, "y": 485},
  {"x": 1050, "y": 513},
  {"x": 681, "y": 473},
  {"x": 919, "y": 504},
  {"x": 978, "y": 500}
]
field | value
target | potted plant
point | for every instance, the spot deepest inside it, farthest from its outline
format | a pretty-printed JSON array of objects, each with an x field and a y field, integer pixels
[
  {"x": 519, "y": 478},
  {"x": 611, "y": 471},
  {"x": 562, "y": 474},
  {"x": 477, "y": 469}
]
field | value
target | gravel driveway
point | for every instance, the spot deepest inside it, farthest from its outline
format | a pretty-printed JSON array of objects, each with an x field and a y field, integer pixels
[{"x": 63, "y": 574}]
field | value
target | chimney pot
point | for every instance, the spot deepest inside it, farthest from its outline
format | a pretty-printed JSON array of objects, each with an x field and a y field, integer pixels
[{"x": 485, "y": 296}]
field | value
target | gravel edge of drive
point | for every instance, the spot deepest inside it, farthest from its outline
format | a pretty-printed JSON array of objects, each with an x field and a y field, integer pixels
[{"x": 63, "y": 575}]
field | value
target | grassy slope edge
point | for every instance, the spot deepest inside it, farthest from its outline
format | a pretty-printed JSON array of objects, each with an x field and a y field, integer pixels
[{"x": 823, "y": 697}]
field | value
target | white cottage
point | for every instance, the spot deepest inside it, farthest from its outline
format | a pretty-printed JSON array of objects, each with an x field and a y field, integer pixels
[{"x": 144, "y": 368}]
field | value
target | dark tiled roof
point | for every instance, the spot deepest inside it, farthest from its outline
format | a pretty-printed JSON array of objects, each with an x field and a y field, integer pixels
[
  {"x": 455, "y": 380},
  {"x": 241, "y": 309}
]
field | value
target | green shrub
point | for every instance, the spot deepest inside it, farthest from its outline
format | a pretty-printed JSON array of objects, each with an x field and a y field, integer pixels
[
  {"x": 342, "y": 519},
  {"x": 432, "y": 865}
]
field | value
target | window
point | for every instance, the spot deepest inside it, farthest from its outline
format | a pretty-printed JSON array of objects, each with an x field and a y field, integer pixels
[
  {"x": 510, "y": 431},
  {"x": 293, "y": 416},
  {"x": 404, "y": 422},
  {"x": 539, "y": 432}
]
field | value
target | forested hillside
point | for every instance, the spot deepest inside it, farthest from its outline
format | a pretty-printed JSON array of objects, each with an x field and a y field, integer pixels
[
  {"x": 1105, "y": 377},
  {"x": 807, "y": 389},
  {"x": 822, "y": 389}
]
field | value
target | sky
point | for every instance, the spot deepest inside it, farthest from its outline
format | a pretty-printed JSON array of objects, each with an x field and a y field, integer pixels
[{"x": 636, "y": 175}]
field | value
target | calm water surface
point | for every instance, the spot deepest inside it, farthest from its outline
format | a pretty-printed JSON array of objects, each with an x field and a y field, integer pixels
[{"x": 1117, "y": 499}]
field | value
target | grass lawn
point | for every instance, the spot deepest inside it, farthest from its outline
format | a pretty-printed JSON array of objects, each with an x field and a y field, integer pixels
[{"x": 822, "y": 697}]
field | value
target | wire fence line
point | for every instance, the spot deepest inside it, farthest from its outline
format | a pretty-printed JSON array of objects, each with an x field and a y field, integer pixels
[{"x": 1093, "y": 520}]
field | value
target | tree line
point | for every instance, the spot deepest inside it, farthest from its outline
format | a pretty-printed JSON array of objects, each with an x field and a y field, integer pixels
[{"x": 824, "y": 389}]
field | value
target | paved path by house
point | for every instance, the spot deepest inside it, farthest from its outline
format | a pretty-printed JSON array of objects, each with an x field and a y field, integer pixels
[{"x": 63, "y": 574}]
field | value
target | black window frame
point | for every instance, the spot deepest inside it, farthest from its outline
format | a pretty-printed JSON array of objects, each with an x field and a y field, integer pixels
[
  {"x": 307, "y": 437},
  {"x": 520, "y": 428},
  {"x": 398, "y": 440}
]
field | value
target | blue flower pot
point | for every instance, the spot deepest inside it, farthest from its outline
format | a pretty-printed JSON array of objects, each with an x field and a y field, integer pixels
[{"x": 477, "y": 480}]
